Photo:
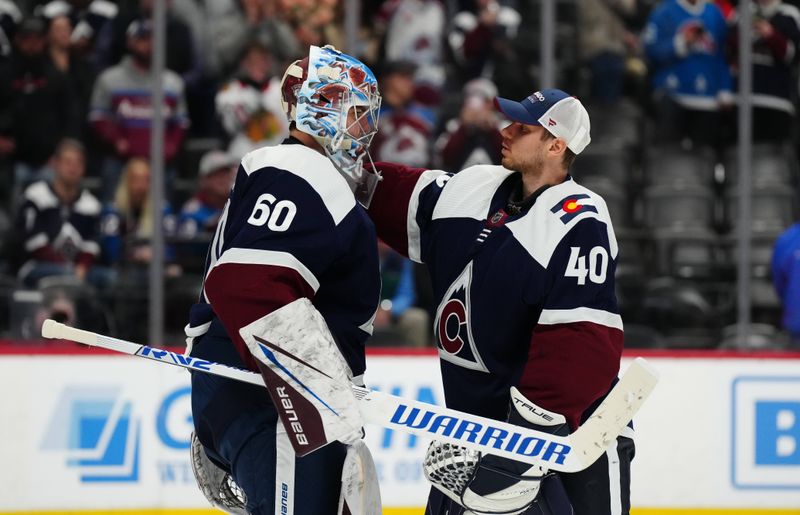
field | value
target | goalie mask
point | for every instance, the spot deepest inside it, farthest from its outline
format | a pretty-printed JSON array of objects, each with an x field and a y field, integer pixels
[{"x": 334, "y": 98}]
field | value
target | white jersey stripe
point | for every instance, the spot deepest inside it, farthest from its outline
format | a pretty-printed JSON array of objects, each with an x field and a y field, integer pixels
[
  {"x": 268, "y": 257},
  {"x": 34, "y": 242},
  {"x": 284, "y": 472},
  {"x": 213, "y": 253},
  {"x": 614, "y": 482},
  {"x": 90, "y": 247},
  {"x": 568, "y": 316},
  {"x": 219, "y": 240},
  {"x": 469, "y": 193},
  {"x": 427, "y": 177}
]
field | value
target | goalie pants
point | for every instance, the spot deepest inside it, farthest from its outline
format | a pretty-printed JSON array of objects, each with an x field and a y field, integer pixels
[
  {"x": 239, "y": 428},
  {"x": 602, "y": 489}
]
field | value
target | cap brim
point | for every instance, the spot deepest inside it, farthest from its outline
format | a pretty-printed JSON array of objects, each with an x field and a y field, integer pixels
[{"x": 515, "y": 111}]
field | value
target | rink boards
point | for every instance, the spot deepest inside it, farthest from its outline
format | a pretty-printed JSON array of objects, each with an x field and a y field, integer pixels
[{"x": 98, "y": 433}]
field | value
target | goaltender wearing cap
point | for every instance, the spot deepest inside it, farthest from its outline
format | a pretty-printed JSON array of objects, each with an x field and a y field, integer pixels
[{"x": 522, "y": 261}]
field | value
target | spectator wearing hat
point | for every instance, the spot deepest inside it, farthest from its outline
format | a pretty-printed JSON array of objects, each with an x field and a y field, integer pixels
[
  {"x": 406, "y": 125},
  {"x": 200, "y": 214},
  {"x": 249, "y": 105},
  {"x": 501, "y": 244},
  {"x": 474, "y": 137},
  {"x": 182, "y": 54},
  {"x": 37, "y": 108},
  {"x": 121, "y": 110}
]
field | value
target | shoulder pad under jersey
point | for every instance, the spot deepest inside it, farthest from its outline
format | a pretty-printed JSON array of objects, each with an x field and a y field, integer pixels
[
  {"x": 555, "y": 213},
  {"x": 469, "y": 193},
  {"x": 311, "y": 166}
]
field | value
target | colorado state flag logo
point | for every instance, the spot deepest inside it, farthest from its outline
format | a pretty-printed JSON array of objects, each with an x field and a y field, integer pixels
[{"x": 572, "y": 206}]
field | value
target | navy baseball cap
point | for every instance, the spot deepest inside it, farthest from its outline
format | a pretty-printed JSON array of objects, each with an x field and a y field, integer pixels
[{"x": 560, "y": 113}]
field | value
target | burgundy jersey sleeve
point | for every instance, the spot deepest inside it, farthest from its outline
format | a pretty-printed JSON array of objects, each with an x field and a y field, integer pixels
[
  {"x": 402, "y": 206},
  {"x": 576, "y": 345}
]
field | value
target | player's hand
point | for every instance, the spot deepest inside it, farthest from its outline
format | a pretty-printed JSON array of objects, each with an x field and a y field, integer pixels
[{"x": 764, "y": 28}]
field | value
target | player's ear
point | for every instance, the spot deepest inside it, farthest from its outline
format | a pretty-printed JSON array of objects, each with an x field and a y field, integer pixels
[{"x": 557, "y": 146}]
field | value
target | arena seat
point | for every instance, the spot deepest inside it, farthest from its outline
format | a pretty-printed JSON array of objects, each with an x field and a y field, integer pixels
[
  {"x": 773, "y": 206},
  {"x": 668, "y": 164},
  {"x": 688, "y": 252},
  {"x": 680, "y": 204},
  {"x": 618, "y": 203},
  {"x": 599, "y": 160},
  {"x": 620, "y": 125}
]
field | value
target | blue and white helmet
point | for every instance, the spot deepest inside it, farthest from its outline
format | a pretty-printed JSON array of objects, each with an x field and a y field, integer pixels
[{"x": 334, "y": 98}]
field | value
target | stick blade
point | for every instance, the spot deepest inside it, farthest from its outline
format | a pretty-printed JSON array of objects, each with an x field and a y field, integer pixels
[{"x": 617, "y": 409}]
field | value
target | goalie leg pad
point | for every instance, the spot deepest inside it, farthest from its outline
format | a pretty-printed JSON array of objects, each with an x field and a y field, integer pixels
[
  {"x": 218, "y": 486},
  {"x": 361, "y": 493},
  {"x": 308, "y": 379}
]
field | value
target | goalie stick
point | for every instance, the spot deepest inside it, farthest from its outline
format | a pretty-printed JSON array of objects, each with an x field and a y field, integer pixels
[{"x": 569, "y": 453}]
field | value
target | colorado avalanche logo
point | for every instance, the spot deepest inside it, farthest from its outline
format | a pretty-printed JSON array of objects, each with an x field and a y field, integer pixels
[{"x": 454, "y": 325}]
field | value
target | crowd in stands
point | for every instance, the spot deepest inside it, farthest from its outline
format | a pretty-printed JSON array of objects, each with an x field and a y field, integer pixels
[{"x": 659, "y": 78}]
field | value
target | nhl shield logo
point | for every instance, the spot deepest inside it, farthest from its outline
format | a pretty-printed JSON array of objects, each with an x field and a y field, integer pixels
[{"x": 454, "y": 325}]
